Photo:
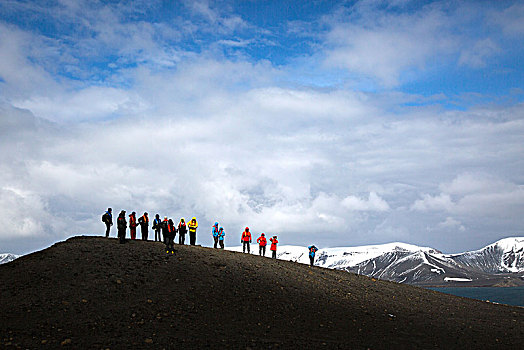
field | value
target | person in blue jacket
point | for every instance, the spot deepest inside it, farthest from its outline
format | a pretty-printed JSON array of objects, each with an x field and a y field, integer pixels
[
  {"x": 107, "y": 218},
  {"x": 312, "y": 251},
  {"x": 157, "y": 226},
  {"x": 214, "y": 231},
  {"x": 221, "y": 235}
]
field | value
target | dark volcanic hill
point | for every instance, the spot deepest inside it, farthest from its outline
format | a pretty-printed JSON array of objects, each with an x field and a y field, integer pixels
[{"x": 92, "y": 292}]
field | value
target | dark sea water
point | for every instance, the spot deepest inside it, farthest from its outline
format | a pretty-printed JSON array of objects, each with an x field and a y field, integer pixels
[{"x": 509, "y": 296}]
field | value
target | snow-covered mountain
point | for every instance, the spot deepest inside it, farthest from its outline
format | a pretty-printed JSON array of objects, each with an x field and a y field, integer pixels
[
  {"x": 506, "y": 255},
  {"x": 7, "y": 257},
  {"x": 499, "y": 263}
]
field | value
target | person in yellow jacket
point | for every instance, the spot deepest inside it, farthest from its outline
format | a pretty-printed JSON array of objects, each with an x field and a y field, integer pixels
[{"x": 193, "y": 225}]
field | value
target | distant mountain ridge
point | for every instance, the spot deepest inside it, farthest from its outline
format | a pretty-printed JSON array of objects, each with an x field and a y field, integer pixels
[
  {"x": 7, "y": 257},
  {"x": 498, "y": 264},
  {"x": 505, "y": 255}
]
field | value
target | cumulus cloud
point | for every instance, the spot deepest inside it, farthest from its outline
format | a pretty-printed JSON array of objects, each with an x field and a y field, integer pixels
[
  {"x": 373, "y": 203},
  {"x": 15, "y": 204},
  {"x": 86, "y": 104},
  {"x": 428, "y": 202},
  {"x": 474, "y": 195},
  {"x": 452, "y": 224},
  {"x": 394, "y": 43},
  {"x": 277, "y": 172},
  {"x": 20, "y": 76},
  {"x": 383, "y": 45}
]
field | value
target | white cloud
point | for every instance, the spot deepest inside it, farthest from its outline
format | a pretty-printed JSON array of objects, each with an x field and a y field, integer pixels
[
  {"x": 477, "y": 55},
  {"x": 373, "y": 203},
  {"x": 383, "y": 45},
  {"x": 470, "y": 183},
  {"x": 475, "y": 196},
  {"x": 439, "y": 202},
  {"x": 220, "y": 19},
  {"x": 269, "y": 158},
  {"x": 452, "y": 223},
  {"x": 19, "y": 75},
  {"x": 510, "y": 19},
  {"x": 86, "y": 104},
  {"x": 23, "y": 212},
  {"x": 396, "y": 43}
]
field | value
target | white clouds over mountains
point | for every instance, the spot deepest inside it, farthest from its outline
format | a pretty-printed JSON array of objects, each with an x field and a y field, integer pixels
[{"x": 147, "y": 122}]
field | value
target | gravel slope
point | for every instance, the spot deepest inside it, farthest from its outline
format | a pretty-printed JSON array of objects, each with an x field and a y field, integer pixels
[{"x": 91, "y": 292}]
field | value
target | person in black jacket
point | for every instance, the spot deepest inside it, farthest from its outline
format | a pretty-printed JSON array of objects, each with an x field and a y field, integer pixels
[
  {"x": 164, "y": 228},
  {"x": 121, "y": 224},
  {"x": 157, "y": 225},
  {"x": 171, "y": 234},
  {"x": 143, "y": 221},
  {"x": 182, "y": 230}
]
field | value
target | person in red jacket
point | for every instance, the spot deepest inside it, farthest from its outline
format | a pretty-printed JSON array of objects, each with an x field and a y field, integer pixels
[
  {"x": 273, "y": 248},
  {"x": 262, "y": 242},
  {"x": 246, "y": 240},
  {"x": 132, "y": 225}
]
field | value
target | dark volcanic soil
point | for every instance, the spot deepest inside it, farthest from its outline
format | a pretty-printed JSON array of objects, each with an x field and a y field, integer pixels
[{"x": 92, "y": 292}]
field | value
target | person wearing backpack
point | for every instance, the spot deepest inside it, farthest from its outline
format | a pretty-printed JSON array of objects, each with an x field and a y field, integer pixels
[
  {"x": 273, "y": 247},
  {"x": 171, "y": 234},
  {"x": 312, "y": 251},
  {"x": 165, "y": 229},
  {"x": 144, "y": 226},
  {"x": 132, "y": 225},
  {"x": 193, "y": 225},
  {"x": 245, "y": 240},
  {"x": 182, "y": 230},
  {"x": 214, "y": 232},
  {"x": 107, "y": 219},
  {"x": 157, "y": 223},
  {"x": 262, "y": 242},
  {"x": 221, "y": 235},
  {"x": 121, "y": 226}
]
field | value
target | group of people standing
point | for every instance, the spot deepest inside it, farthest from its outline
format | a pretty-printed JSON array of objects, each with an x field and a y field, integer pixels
[
  {"x": 165, "y": 231},
  {"x": 166, "y": 228},
  {"x": 218, "y": 235},
  {"x": 121, "y": 224},
  {"x": 245, "y": 240}
]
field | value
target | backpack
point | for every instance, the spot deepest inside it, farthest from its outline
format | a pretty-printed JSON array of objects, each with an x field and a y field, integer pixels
[
  {"x": 156, "y": 224},
  {"x": 104, "y": 217}
]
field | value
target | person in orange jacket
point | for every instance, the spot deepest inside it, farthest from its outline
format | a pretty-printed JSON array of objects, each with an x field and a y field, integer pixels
[
  {"x": 246, "y": 240},
  {"x": 273, "y": 248},
  {"x": 262, "y": 242},
  {"x": 132, "y": 225}
]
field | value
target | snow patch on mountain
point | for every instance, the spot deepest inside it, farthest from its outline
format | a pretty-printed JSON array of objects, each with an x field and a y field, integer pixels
[
  {"x": 7, "y": 257},
  {"x": 456, "y": 279}
]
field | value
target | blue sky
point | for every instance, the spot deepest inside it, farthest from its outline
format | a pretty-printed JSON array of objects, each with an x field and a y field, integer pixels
[{"x": 332, "y": 122}]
